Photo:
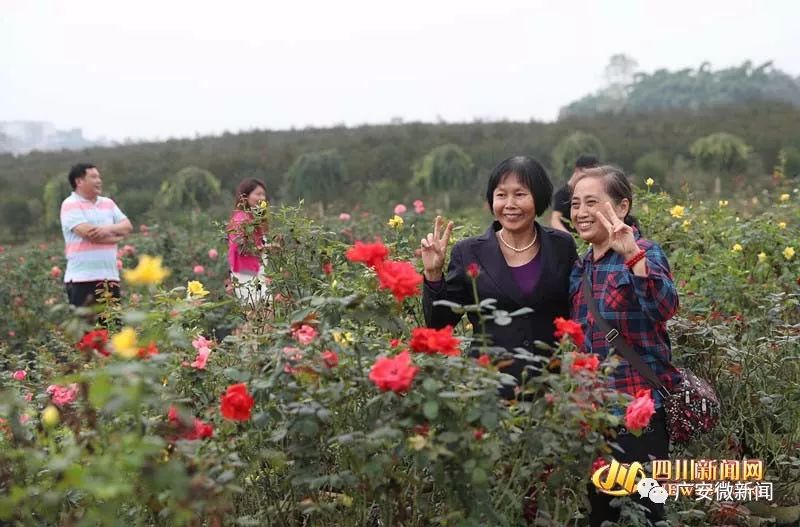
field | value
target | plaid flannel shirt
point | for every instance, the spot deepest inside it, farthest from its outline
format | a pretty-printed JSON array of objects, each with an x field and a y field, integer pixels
[{"x": 637, "y": 306}]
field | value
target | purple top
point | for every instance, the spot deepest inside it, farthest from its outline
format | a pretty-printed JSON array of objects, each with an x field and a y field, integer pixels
[{"x": 527, "y": 276}]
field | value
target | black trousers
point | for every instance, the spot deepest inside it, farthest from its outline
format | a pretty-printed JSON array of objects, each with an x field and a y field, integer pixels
[
  {"x": 81, "y": 294},
  {"x": 651, "y": 444}
]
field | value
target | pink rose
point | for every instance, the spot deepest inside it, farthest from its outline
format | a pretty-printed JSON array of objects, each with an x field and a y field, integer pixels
[
  {"x": 212, "y": 254},
  {"x": 330, "y": 358},
  {"x": 55, "y": 272},
  {"x": 201, "y": 359},
  {"x": 293, "y": 355},
  {"x": 62, "y": 395},
  {"x": 344, "y": 216},
  {"x": 399, "y": 209},
  {"x": 19, "y": 375},
  {"x": 201, "y": 342},
  {"x": 639, "y": 411},
  {"x": 128, "y": 250},
  {"x": 199, "y": 269},
  {"x": 305, "y": 334},
  {"x": 419, "y": 207}
]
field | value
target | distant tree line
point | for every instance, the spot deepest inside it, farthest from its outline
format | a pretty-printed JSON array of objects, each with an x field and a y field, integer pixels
[
  {"x": 634, "y": 92},
  {"x": 374, "y": 166}
]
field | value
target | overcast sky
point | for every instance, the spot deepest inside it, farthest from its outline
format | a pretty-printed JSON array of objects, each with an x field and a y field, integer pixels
[{"x": 167, "y": 68}]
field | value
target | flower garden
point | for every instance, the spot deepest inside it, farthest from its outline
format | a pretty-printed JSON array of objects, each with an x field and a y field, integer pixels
[{"x": 335, "y": 406}]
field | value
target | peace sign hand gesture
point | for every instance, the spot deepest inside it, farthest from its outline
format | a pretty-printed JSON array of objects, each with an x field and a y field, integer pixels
[
  {"x": 620, "y": 235},
  {"x": 434, "y": 249}
]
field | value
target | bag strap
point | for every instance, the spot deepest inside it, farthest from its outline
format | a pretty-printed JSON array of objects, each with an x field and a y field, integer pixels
[{"x": 613, "y": 337}]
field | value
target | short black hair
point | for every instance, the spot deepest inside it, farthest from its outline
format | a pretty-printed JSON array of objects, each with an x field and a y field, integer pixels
[
  {"x": 587, "y": 161},
  {"x": 78, "y": 171},
  {"x": 531, "y": 173}
]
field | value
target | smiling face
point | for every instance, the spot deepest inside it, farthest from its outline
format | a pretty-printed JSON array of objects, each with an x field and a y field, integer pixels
[
  {"x": 256, "y": 196},
  {"x": 513, "y": 205},
  {"x": 588, "y": 198},
  {"x": 90, "y": 185}
]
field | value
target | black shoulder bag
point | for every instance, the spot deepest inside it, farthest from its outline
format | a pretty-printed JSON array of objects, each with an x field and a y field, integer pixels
[{"x": 692, "y": 407}]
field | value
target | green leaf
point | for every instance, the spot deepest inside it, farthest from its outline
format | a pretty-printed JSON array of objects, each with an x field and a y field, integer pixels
[
  {"x": 479, "y": 476},
  {"x": 99, "y": 391},
  {"x": 431, "y": 410}
]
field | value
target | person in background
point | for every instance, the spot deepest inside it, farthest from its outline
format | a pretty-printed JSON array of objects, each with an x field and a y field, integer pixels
[
  {"x": 559, "y": 217},
  {"x": 92, "y": 226},
  {"x": 245, "y": 238},
  {"x": 632, "y": 286},
  {"x": 517, "y": 261}
]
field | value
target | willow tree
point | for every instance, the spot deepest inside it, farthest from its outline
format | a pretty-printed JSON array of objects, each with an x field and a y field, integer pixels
[
  {"x": 444, "y": 169},
  {"x": 55, "y": 191},
  {"x": 720, "y": 154},
  {"x": 316, "y": 177},
  {"x": 190, "y": 188},
  {"x": 569, "y": 148}
]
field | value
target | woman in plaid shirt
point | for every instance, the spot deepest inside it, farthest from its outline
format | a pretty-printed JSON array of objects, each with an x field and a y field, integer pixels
[{"x": 634, "y": 291}]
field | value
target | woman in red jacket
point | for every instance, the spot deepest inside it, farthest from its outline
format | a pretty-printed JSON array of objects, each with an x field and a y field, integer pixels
[{"x": 246, "y": 237}]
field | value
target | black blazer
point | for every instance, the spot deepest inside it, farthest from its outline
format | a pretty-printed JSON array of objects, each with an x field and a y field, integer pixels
[{"x": 550, "y": 298}]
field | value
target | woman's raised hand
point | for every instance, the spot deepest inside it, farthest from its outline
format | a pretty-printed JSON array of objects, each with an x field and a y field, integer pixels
[
  {"x": 434, "y": 249},
  {"x": 620, "y": 234}
]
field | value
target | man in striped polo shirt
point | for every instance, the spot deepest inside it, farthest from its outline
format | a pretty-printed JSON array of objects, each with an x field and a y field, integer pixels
[{"x": 92, "y": 227}]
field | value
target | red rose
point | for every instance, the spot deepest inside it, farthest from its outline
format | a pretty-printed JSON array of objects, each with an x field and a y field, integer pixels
[
  {"x": 236, "y": 403},
  {"x": 585, "y": 362},
  {"x": 198, "y": 429},
  {"x": 484, "y": 360},
  {"x": 327, "y": 268},
  {"x": 95, "y": 340},
  {"x": 570, "y": 328},
  {"x": 473, "y": 270},
  {"x": 478, "y": 433},
  {"x": 597, "y": 465},
  {"x": 400, "y": 277},
  {"x": 639, "y": 411},
  {"x": 330, "y": 358},
  {"x": 395, "y": 373},
  {"x": 370, "y": 254},
  {"x": 427, "y": 340},
  {"x": 394, "y": 343},
  {"x": 150, "y": 349}
]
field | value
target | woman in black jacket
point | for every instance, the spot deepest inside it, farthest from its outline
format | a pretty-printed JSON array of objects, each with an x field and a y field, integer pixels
[{"x": 518, "y": 262}]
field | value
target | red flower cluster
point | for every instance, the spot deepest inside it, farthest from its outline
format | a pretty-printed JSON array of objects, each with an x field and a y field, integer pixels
[
  {"x": 570, "y": 328},
  {"x": 585, "y": 362},
  {"x": 370, "y": 254},
  {"x": 95, "y": 340},
  {"x": 147, "y": 351},
  {"x": 399, "y": 277},
  {"x": 237, "y": 404},
  {"x": 427, "y": 340},
  {"x": 198, "y": 429},
  {"x": 395, "y": 373}
]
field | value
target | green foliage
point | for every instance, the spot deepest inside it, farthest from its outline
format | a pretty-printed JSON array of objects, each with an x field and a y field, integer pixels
[
  {"x": 190, "y": 188},
  {"x": 720, "y": 152},
  {"x": 16, "y": 216},
  {"x": 55, "y": 191},
  {"x": 446, "y": 169},
  {"x": 569, "y": 148},
  {"x": 653, "y": 165},
  {"x": 688, "y": 89},
  {"x": 316, "y": 176},
  {"x": 790, "y": 157}
]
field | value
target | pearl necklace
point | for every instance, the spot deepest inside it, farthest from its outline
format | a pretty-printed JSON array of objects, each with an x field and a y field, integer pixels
[{"x": 535, "y": 234}]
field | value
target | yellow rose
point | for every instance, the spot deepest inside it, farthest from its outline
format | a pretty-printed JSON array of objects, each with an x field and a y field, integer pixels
[
  {"x": 762, "y": 257},
  {"x": 148, "y": 271},
  {"x": 782, "y": 225},
  {"x": 686, "y": 224},
  {"x": 788, "y": 253},
  {"x": 50, "y": 416},
  {"x": 723, "y": 203},
  {"x": 677, "y": 211},
  {"x": 737, "y": 248},
  {"x": 417, "y": 442},
  {"x": 124, "y": 343},
  {"x": 784, "y": 197},
  {"x": 396, "y": 222},
  {"x": 649, "y": 182},
  {"x": 195, "y": 289}
]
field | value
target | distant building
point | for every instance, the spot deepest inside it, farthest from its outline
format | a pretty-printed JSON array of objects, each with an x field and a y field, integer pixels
[{"x": 21, "y": 137}]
